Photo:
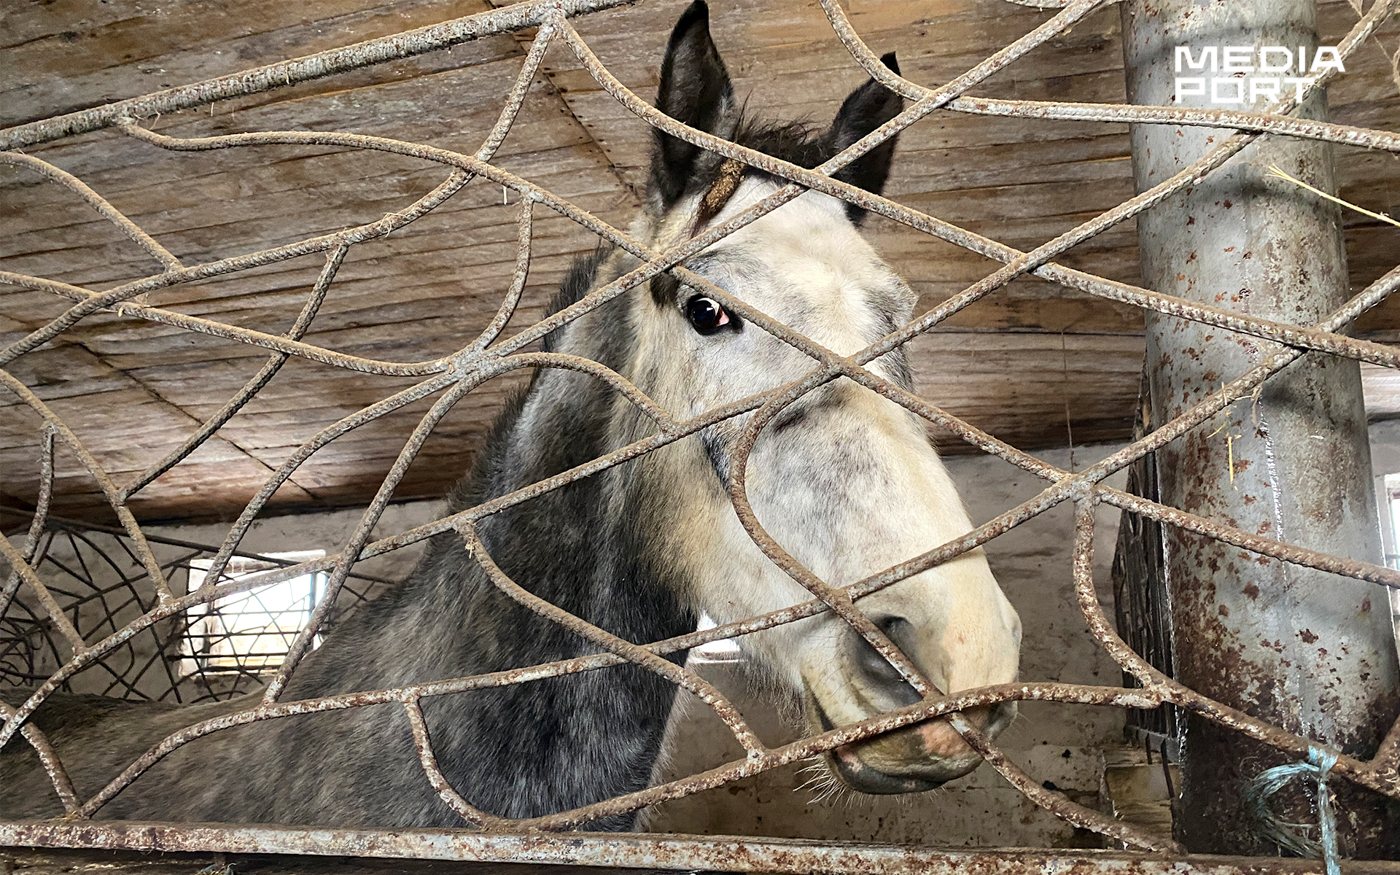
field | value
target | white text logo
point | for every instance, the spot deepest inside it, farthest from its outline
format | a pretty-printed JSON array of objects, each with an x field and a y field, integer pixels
[{"x": 1249, "y": 76}]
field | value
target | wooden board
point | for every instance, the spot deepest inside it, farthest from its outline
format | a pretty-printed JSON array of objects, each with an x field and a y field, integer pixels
[{"x": 1034, "y": 364}]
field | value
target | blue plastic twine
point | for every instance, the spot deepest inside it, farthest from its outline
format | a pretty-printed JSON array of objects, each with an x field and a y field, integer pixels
[
  {"x": 1323, "y": 761},
  {"x": 1293, "y": 836}
]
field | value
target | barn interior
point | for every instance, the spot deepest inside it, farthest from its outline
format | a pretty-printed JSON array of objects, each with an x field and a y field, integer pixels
[{"x": 1049, "y": 370}]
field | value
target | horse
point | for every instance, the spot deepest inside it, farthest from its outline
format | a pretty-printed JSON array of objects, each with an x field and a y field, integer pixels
[{"x": 845, "y": 479}]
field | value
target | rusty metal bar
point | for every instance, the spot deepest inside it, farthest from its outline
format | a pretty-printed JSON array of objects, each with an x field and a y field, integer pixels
[
  {"x": 679, "y": 675},
  {"x": 630, "y": 850},
  {"x": 1226, "y": 119},
  {"x": 791, "y": 753},
  {"x": 449, "y": 795},
  {"x": 517, "y": 283},
  {"x": 62, "y": 784},
  {"x": 301, "y": 644},
  {"x": 36, "y": 523},
  {"x": 1254, "y": 543},
  {"x": 26, "y": 572},
  {"x": 65, "y": 523},
  {"x": 130, "y": 229},
  {"x": 53, "y": 423},
  {"x": 365, "y": 54},
  {"x": 1275, "y": 120},
  {"x": 1311, "y": 655},
  {"x": 264, "y": 375},
  {"x": 119, "y": 297}
]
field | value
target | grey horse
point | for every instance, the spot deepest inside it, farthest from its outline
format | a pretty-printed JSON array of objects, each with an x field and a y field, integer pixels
[{"x": 845, "y": 480}]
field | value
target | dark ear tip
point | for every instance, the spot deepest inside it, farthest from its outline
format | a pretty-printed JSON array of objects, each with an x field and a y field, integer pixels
[
  {"x": 696, "y": 13},
  {"x": 888, "y": 59}
]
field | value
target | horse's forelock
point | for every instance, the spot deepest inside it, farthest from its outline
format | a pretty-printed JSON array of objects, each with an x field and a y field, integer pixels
[{"x": 796, "y": 142}]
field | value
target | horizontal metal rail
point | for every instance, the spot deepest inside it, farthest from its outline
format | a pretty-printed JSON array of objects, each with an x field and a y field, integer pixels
[{"x": 642, "y": 851}]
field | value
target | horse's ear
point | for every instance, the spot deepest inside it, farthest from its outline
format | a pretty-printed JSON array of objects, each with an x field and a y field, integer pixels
[
  {"x": 868, "y": 107},
  {"x": 695, "y": 89}
]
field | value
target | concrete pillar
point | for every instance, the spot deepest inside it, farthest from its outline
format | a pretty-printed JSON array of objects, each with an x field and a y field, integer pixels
[{"x": 1311, "y": 652}]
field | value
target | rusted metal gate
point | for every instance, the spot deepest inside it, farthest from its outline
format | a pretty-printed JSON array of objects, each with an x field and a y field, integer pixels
[{"x": 486, "y": 838}]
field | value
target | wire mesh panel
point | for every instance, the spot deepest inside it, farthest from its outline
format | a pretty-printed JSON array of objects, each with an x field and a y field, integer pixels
[
  {"x": 1140, "y": 595},
  {"x": 203, "y": 615},
  {"x": 252, "y": 631},
  {"x": 215, "y": 650}
]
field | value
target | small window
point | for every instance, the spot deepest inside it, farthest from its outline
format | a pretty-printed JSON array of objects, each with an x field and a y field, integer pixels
[{"x": 250, "y": 632}]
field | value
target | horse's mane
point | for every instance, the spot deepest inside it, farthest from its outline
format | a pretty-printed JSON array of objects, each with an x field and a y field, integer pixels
[{"x": 576, "y": 284}]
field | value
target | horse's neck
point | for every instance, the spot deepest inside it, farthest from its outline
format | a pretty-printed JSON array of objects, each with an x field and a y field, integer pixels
[
  {"x": 577, "y": 547},
  {"x": 585, "y": 547},
  {"x": 542, "y": 746}
]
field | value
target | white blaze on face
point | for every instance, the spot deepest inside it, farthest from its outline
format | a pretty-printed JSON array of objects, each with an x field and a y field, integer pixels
[{"x": 845, "y": 480}]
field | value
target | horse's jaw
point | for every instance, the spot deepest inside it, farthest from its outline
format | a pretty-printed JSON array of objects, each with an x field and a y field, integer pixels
[{"x": 913, "y": 759}]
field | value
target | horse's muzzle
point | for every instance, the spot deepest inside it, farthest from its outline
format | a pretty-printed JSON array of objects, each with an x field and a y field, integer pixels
[{"x": 912, "y": 759}]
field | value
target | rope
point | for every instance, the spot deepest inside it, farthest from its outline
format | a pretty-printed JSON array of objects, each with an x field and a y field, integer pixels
[
  {"x": 1323, "y": 761},
  {"x": 1289, "y": 835}
]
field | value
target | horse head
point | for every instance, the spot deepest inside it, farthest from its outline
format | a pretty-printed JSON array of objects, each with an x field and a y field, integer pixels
[{"x": 844, "y": 479}]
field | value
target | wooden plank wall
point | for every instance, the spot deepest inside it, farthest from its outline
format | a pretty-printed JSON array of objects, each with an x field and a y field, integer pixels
[{"x": 1033, "y": 364}]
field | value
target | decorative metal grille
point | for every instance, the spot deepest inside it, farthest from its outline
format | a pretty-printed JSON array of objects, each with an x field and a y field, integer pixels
[{"x": 488, "y": 356}]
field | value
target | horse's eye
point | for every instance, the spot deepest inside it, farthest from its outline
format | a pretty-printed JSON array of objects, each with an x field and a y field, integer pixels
[{"x": 706, "y": 314}]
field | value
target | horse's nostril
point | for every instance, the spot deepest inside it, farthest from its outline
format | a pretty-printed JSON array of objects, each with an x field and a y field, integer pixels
[
  {"x": 900, "y": 631},
  {"x": 875, "y": 666},
  {"x": 876, "y": 669}
]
